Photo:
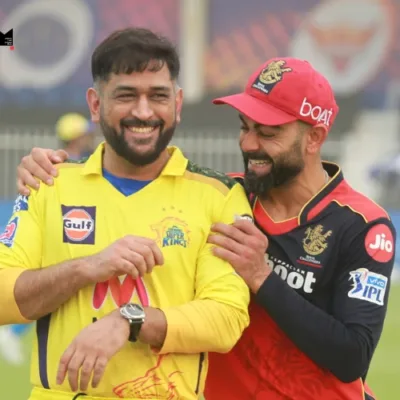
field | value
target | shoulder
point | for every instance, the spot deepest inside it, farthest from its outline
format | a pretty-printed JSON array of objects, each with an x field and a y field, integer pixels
[
  {"x": 365, "y": 222},
  {"x": 210, "y": 178},
  {"x": 70, "y": 167},
  {"x": 71, "y": 163},
  {"x": 358, "y": 204}
]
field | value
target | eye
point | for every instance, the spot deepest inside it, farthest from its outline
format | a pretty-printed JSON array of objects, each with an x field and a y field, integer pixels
[
  {"x": 266, "y": 135},
  {"x": 160, "y": 96},
  {"x": 244, "y": 128},
  {"x": 125, "y": 96}
]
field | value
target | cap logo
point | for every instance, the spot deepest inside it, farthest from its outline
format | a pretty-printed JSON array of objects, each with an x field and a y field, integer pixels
[
  {"x": 316, "y": 113},
  {"x": 270, "y": 76}
]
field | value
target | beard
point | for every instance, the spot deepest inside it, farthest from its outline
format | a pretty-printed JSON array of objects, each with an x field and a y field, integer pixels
[
  {"x": 284, "y": 168},
  {"x": 117, "y": 141}
]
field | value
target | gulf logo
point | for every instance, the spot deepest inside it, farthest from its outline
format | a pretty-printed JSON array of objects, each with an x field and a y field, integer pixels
[{"x": 79, "y": 224}]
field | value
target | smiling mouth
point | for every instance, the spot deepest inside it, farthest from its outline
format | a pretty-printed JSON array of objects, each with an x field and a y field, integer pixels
[
  {"x": 142, "y": 129},
  {"x": 258, "y": 162}
]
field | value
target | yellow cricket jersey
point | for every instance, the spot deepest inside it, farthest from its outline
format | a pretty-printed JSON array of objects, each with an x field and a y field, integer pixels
[{"x": 204, "y": 301}]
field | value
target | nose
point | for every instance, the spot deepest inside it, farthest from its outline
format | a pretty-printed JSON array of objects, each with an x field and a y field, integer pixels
[
  {"x": 142, "y": 109},
  {"x": 249, "y": 142}
]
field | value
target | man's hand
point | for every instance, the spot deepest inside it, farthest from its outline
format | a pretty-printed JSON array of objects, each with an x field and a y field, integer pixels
[
  {"x": 90, "y": 352},
  {"x": 38, "y": 164},
  {"x": 243, "y": 245},
  {"x": 131, "y": 255}
]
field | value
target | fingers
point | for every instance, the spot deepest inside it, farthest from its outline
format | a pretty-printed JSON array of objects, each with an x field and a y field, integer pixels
[
  {"x": 249, "y": 228},
  {"x": 226, "y": 255},
  {"x": 226, "y": 242},
  {"x": 86, "y": 372},
  {"x": 133, "y": 264},
  {"x": 38, "y": 164},
  {"x": 133, "y": 255},
  {"x": 133, "y": 241},
  {"x": 230, "y": 231},
  {"x": 41, "y": 170},
  {"x": 98, "y": 371},
  {"x": 75, "y": 363},
  {"x": 157, "y": 253},
  {"x": 73, "y": 370},
  {"x": 42, "y": 157},
  {"x": 143, "y": 259},
  {"x": 243, "y": 232},
  {"x": 140, "y": 258},
  {"x": 25, "y": 179},
  {"x": 64, "y": 363},
  {"x": 58, "y": 156}
]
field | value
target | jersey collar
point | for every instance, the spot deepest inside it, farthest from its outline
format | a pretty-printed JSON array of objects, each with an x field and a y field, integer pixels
[
  {"x": 325, "y": 195},
  {"x": 176, "y": 165},
  {"x": 311, "y": 209}
]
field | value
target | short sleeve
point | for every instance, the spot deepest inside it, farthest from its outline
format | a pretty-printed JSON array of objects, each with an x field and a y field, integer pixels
[{"x": 21, "y": 240}]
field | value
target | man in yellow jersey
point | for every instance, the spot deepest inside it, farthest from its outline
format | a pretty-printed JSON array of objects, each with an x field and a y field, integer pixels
[{"x": 112, "y": 261}]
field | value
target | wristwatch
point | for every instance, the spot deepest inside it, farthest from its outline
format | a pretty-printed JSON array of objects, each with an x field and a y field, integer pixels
[{"x": 135, "y": 315}]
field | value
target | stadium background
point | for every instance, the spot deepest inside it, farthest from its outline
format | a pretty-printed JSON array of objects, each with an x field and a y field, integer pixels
[{"x": 353, "y": 42}]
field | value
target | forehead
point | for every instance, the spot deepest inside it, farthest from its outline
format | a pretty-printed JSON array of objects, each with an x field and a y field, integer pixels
[{"x": 141, "y": 80}]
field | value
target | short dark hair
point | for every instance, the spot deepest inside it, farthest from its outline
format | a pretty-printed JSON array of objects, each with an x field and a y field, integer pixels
[{"x": 133, "y": 50}]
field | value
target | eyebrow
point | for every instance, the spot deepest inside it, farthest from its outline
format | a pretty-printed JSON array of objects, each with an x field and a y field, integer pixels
[{"x": 126, "y": 88}]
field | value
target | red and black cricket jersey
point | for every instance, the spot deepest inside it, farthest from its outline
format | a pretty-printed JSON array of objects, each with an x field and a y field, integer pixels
[{"x": 316, "y": 320}]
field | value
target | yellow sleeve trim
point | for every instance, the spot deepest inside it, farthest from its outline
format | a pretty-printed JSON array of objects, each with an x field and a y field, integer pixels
[
  {"x": 10, "y": 313},
  {"x": 215, "y": 183}
]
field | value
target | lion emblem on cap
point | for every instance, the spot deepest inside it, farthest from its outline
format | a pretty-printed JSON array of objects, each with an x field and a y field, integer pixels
[{"x": 273, "y": 72}]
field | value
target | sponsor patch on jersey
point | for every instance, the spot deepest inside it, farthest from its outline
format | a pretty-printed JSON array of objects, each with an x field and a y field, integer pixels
[
  {"x": 368, "y": 286},
  {"x": 21, "y": 204},
  {"x": 379, "y": 243},
  {"x": 8, "y": 235},
  {"x": 172, "y": 231},
  {"x": 79, "y": 224},
  {"x": 296, "y": 278}
]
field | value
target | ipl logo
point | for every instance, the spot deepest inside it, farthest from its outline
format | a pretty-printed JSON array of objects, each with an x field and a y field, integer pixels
[{"x": 368, "y": 286}]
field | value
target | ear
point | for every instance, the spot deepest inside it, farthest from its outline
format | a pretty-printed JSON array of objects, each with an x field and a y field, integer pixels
[
  {"x": 93, "y": 100},
  {"x": 316, "y": 137},
  {"x": 179, "y": 104}
]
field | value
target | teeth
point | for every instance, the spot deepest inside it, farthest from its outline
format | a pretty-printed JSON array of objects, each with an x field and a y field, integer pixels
[
  {"x": 144, "y": 129},
  {"x": 258, "y": 162}
]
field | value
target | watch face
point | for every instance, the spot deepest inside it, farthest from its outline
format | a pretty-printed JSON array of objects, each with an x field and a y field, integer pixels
[{"x": 133, "y": 311}]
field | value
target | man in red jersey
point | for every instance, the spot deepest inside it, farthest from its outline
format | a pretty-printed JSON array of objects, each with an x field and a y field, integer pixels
[{"x": 320, "y": 286}]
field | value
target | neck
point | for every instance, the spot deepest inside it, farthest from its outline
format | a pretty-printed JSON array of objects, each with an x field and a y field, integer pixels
[
  {"x": 287, "y": 201},
  {"x": 122, "y": 168}
]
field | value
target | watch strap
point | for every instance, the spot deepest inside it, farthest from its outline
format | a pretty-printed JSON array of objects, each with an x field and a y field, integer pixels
[{"x": 134, "y": 330}]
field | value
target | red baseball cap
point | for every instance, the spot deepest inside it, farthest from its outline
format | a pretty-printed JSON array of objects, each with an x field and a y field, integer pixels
[{"x": 284, "y": 90}]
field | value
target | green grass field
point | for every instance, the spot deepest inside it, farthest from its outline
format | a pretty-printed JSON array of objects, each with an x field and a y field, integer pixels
[{"x": 383, "y": 378}]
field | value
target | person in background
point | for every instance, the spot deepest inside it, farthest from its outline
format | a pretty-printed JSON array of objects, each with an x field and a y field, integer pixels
[{"x": 77, "y": 135}]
